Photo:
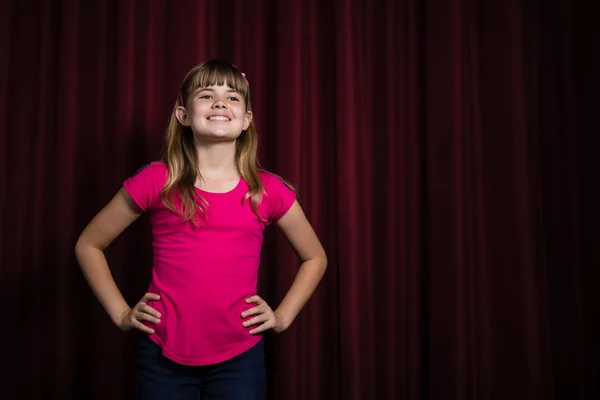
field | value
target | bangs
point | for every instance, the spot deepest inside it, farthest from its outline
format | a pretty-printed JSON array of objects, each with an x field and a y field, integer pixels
[{"x": 216, "y": 73}]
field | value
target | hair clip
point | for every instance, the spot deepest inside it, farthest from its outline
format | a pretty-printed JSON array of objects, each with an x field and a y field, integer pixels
[{"x": 243, "y": 74}]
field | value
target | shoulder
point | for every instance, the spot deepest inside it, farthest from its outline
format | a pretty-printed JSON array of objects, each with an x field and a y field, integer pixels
[
  {"x": 148, "y": 178},
  {"x": 265, "y": 177},
  {"x": 273, "y": 183},
  {"x": 155, "y": 167},
  {"x": 279, "y": 195},
  {"x": 145, "y": 185},
  {"x": 156, "y": 170},
  {"x": 275, "y": 187}
]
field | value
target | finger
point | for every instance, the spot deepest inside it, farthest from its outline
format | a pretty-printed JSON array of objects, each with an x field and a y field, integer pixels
[
  {"x": 143, "y": 328},
  {"x": 254, "y": 311},
  {"x": 261, "y": 328},
  {"x": 149, "y": 310},
  {"x": 141, "y": 316},
  {"x": 151, "y": 296},
  {"x": 255, "y": 299},
  {"x": 256, "y": 320}
]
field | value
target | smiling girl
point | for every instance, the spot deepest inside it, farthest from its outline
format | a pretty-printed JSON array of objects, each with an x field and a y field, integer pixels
[{"x": 209, "y": 202}]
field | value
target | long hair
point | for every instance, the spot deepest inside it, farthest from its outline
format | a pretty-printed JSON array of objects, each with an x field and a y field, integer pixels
[{"x": 179, "y": 153}]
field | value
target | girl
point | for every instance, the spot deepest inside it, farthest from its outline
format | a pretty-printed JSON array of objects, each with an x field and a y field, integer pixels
[{"x": 209, "y": 201}]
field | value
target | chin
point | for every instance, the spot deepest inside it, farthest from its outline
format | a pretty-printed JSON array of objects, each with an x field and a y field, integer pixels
[{"x": 216, "y": 137}]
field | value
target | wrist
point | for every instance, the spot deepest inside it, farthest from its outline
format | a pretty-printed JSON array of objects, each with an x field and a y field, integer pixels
[
  {"x": 283, "y": 321},
  {"x": 118, "y": 319}
]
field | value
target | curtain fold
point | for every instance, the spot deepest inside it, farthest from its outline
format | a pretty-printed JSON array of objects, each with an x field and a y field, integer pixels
[{"x": 444, "y": 152}]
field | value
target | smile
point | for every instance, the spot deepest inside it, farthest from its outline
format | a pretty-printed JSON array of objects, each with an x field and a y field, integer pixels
[{"x": 218, "y": 118}]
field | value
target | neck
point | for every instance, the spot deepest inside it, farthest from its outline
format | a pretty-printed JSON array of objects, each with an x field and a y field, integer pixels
[{"x": 216, "y": 160}]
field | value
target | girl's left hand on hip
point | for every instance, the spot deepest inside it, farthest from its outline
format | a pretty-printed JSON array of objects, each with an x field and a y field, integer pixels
[{"x": 265, "y": 317}]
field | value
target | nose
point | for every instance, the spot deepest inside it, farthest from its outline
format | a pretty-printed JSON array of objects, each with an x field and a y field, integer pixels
[{"x": 219, "y": 104}]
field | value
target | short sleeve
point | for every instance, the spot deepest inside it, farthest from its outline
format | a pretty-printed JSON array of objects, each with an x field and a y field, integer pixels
[
  {"x": 279, "y": 197},
  {"x": 145, "y": 186}
]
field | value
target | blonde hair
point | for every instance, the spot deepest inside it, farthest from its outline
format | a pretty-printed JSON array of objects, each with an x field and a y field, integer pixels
[{"x": 179, "y": 153}]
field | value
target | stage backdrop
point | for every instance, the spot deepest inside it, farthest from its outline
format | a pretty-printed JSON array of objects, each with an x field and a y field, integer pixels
[{"x": 442, "y": 150}]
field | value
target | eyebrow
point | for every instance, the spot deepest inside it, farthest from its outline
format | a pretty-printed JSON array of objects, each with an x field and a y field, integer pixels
[{"x": 212, "y": 90}]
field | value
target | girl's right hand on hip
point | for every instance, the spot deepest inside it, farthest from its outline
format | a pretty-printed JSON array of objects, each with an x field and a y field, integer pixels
[{"x": 133, "y": 317}]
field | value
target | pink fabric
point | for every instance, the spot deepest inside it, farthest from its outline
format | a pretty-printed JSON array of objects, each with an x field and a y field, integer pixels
[{"x": 204, "y": 273}]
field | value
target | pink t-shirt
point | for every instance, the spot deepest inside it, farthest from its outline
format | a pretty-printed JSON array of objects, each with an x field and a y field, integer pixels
[{"x": 204, "y": 273}]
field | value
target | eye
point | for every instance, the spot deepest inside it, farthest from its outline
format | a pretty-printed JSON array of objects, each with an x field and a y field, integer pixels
[
  {"x": 205, "y": 96},
  {"x": 234, "y": 98}
]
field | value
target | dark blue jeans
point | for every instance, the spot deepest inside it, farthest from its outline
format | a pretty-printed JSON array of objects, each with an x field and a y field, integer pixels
[{"x": 158, "y": 378}]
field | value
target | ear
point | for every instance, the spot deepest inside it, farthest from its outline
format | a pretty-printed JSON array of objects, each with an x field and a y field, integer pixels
[
  {"x": 247, "y": 119},
  {"x": 181, "y": 115}
]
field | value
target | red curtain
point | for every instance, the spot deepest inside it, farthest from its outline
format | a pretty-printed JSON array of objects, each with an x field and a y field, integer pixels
[{"x": 443, "y": 150}]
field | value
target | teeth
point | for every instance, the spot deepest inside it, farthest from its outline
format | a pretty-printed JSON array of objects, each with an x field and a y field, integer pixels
[{"x": 219, "y": 118}]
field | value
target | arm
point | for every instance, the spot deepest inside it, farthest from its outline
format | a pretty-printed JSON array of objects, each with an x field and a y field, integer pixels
[
  {"x": 303, "y": 239},
  {"x": 118, "y": 214}
]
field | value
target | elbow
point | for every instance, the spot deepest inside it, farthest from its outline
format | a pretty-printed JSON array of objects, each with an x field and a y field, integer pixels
[
  {"x": 323, "y": 262},
  {"x": 317, "y": 264},
  {"x": 83, "y": 247},
  {"x": 79, "y": 248}
]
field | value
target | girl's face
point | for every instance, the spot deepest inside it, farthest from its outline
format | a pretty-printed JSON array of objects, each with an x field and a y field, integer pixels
[{"x": 215, "y": 113}]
